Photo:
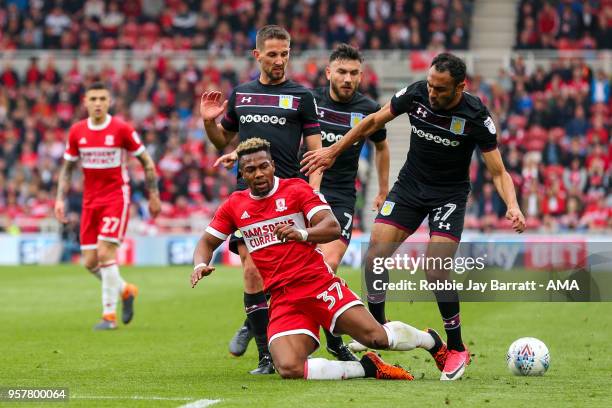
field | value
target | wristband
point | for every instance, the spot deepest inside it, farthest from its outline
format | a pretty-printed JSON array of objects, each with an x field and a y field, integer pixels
[
  {"x": 303, "y": 233},
  {"x": 200, "y": 265}
]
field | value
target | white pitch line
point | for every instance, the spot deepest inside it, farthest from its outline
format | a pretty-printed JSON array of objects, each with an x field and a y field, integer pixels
[
  {"x": 133, "y": 397},
  {"x": 203, "y": 403}
]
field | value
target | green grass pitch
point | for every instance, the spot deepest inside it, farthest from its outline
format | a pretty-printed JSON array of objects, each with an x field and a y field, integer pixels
[{"x": 175, "y": 350}]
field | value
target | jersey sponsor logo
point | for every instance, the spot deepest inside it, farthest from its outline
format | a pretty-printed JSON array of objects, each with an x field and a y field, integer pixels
[
  {"x": 100, "y": 157},
  {"x": 272, "y": 119},
  {"x": 333, "y": 138},
  {"x": 356, "y": 118},
  {"x": 457, "y": 125},
  {"x": 434, "y": 138},
  {"x": 245, "y": 215},
  {"x": 490, "y": 125},
  {"x": 261, "y": 234},
  {"x": 387, "y": 208},
  {"x": 401, "y": 92},
  {"x": 83, "y": 140},
  {"x": 109, "y": 140},
  {"x": 281, "y": 205}
]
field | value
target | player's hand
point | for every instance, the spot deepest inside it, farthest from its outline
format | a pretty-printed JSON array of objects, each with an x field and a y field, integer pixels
[
  {"x": 515, "y": 215},
  {"x": 286, "y": 233},
  {"x": 60, "y": 211},
  {"x": 379, "y": 200},
  {"x": 199, "y": 273},
  {"x": 154, "y": 205},
  {"x": 319, "y": 159},
  {"x": 211, "y": 106},
  {"x": 227, "y": 160}
]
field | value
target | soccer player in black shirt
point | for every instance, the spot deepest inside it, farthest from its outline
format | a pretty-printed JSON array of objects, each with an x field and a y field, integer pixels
[
  {"x": 282, "y": 112},
  {"x": 447, "y": 125},
  {"x": 341, "y": 107}
]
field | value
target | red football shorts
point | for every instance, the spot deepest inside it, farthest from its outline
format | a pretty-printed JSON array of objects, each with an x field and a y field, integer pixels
[
  {"x": 302, "y": 308},
  {"x": 106, "y": 223}
]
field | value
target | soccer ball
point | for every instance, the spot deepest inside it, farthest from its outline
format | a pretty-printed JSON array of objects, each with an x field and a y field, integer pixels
[{"x": 528, "y": 356}]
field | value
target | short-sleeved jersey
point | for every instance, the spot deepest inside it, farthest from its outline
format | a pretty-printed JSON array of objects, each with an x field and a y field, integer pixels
[
  {"x": 280, "y": 114},
  {"x": 336, "y": 120},
  {"x": 291, "y": 201},
  {"x": 102, "y": 150},
  {"x": 442, "y": 142}
]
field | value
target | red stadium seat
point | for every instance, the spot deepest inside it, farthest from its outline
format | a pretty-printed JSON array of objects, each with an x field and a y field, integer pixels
[{"x": 108, "y": 43}]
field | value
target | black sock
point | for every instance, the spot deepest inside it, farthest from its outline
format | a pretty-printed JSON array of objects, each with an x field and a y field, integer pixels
[
  {"x": 333, "y": 342},
  {"x": 256, "y": 308},
  {"x": 247, "y": 323},
  {"x": 378, "y": 311},
  {"x": 448, "y": 304}
]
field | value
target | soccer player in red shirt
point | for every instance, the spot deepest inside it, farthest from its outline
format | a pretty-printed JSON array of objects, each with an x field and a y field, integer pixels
[
  {"x": 101, "y": 142},
  {"x": 282, "y": 221}
]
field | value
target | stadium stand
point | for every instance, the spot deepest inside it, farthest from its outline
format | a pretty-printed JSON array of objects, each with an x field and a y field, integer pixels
[
  {"x": 554, "y": 122},
  {"x": 229, "y": 27}
]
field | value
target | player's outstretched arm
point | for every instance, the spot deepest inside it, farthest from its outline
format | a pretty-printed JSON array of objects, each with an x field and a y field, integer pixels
[
  {"x": 324, "y": 228},
  {"x": 211, "y": 108},
  {"x": 62, "y": 188},
  {"x": 324, "y": 158},
  {"x": 151, "y": 182},
  {"x": 202, "y": 256},
  {"x": 313, "y": 142},
  {"x": 382, "y": 160},
  {"x": 505, "y": 187}
]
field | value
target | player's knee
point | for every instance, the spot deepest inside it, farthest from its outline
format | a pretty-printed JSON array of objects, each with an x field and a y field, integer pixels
[
  {"x": 105, "y": 254},
  {"x": 375, "y": 337},
  {"x": 91, "y": 263},
  {"x": 290, "y": 368}
]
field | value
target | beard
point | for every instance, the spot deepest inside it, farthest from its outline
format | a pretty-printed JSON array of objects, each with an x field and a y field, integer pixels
[
  {"x": 275, "y": 75},
  {"x": 341, "y": 93}
]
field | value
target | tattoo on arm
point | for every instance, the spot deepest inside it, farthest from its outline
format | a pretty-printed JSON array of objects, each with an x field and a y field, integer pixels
[
  {"x": 64, "y": 179},
  {"x": 150, "y": 174}
]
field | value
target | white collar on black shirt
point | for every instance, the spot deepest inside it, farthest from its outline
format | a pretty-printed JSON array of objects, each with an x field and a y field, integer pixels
[{"x": 270, "y": 193}]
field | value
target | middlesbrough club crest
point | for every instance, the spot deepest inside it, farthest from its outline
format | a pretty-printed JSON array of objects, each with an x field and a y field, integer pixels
[{"x": 280, "y": 205}]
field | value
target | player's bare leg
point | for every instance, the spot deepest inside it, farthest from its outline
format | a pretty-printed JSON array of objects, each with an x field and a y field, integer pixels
[
  {"x": 290, "y": 354},
  {"x": 458, "y": 357},
  {"x": 90, "y": 259},
  {"x": 113, "y": 286},
  {"x": 333, "y": 253},
  {"x": 256, "y": 307},
  {"x": 384, "y": 241}
]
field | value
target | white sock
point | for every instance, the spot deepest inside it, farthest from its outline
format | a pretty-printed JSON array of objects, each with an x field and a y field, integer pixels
[
  {"x": 404, "y": 337},
  {"x": 111, "y": 284},
  {"x": 322, "y": 369}
]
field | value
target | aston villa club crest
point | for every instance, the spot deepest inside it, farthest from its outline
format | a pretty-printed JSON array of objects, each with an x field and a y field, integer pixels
[
  {"x": 457, "y": 125},
  {"x": 356, "y": 118},
  {"x": 387, "y": 208},
  {"x": 285, "y": 101},
  {"x": 280, "y": 205}
]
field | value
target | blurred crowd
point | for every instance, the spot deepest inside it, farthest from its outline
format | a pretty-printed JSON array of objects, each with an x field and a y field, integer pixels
[
  {"x": 564, "y": 24},
  {"x": 555, "y": 141},
  {"x": 162, "y": 102},
  {"x": 229, "y": 27}
]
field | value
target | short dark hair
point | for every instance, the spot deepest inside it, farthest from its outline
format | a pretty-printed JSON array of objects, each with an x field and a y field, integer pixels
[
  {"x": 253, "y": 145},
  {"x": 345, "y": 52},
  {"x": 270, "y": 32},
  {"x": 96, "y": 86},
  {"x": 451, "y": 63}
]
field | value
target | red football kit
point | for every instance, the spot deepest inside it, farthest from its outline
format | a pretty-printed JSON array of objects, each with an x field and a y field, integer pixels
[
  {"x": 305, "y": 292},
  {"x": 106, "y": 192}
]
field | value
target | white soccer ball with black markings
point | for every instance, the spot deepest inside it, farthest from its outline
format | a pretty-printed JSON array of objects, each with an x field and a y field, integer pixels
[{"x": 528, "y": 356}]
